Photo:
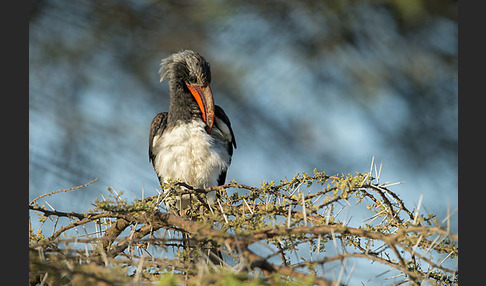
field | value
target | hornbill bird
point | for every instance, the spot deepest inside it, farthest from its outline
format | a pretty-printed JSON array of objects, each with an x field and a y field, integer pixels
[{"x": 194, "y": 141}]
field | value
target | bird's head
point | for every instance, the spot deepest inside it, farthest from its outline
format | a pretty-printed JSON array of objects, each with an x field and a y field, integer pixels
[{"x": 189, "y": 71}]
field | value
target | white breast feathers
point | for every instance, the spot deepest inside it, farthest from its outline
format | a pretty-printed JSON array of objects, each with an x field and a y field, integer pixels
[{"x": 186, "y": 152}]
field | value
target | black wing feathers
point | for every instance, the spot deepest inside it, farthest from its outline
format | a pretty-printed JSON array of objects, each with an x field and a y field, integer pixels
[
  {"x": 156, "y": 128},
  {"x": 219, "y": 112}
]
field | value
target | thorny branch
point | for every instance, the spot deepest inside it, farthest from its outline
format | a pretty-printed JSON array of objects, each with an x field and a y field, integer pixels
[{"x": 276, "y": 219}]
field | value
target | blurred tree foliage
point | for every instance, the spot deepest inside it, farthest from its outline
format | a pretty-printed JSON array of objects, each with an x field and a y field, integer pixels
[{"x": 275, "y": 60}]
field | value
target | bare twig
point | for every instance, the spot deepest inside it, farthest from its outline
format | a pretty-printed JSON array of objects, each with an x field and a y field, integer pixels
[{"x": 64, "y": 190}]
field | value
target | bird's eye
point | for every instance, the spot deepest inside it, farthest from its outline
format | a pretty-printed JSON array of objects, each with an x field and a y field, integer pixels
[{"x": 192, "y": 79}]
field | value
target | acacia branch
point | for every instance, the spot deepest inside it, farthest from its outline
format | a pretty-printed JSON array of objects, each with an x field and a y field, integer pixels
[{"x": 263, "y": 215}]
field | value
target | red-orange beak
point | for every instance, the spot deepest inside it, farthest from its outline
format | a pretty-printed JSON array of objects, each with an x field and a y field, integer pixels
[{"x": 204, "y": 98}]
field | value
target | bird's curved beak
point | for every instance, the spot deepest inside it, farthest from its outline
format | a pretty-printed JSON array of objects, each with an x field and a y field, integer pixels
[{"x": 204, "y": 98}]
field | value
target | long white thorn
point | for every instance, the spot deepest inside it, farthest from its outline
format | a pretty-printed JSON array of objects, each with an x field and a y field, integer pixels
[
  {"x": 247, "y": 206},
  {"x": 304, "y": 209},
  {"x": 418, "y": 209},
  {"x": 416, "y": 244},
  {"x": 341, "y": 272},
  {"x": 334, "y": 241},
  {"x": 328, "y": 216},
  {"x": 224, "y": 215},
  {"x": 50, "y": 206},
  {"x": 290, "y": 212},
  {"x": 386, "y": 185},
  {"x": 378, "y": 175},
  {"x": 442, "y": 261},
  {"x": 371, "y": 167},
  {"x": 448, "y": 217}
]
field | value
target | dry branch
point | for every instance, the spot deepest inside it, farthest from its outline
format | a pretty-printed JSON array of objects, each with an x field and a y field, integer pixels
[{"x": 281, "y": 217}]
